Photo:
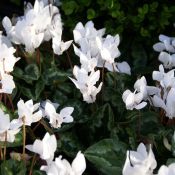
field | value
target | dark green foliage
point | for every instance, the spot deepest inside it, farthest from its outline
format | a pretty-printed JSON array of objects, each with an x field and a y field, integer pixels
[{"x": 13, "y": 167}]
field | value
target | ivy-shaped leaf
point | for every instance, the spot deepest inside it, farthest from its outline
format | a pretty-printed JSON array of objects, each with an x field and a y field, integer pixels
[{"x": 108, "y": 156}]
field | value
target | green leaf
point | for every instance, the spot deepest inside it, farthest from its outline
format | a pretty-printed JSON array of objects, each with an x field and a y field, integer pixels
[
  {"x": 104, "y": 115},
  {"x": 27, "y": 92},
  {"x": 69, "y": 7},
  {"x": 69, "y": 144},
  {"x": 13, "y": 167},
  {"x": 32, "y": 72},
  {"x": 55, "y": 76},
  {"x": 39, "y": 87},
  {"x": 90, "y": 14},
  {"x": 59, "y": 97},
  {"x": 108, "y": 156}
]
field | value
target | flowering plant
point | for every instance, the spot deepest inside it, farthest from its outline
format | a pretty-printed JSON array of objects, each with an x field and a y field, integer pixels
[{"x": 70, "y": 101}]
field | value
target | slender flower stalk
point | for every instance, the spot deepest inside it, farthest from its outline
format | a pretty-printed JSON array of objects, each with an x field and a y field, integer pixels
[
  {"x": 5, "y": 145},
  {"x": 46, "y": 127},
  {"x": 24, "y": 137},
  {"x": 1, "y": 153},
  {"x": 38, "y": 59},
  {"x": 32, "y": 165}
]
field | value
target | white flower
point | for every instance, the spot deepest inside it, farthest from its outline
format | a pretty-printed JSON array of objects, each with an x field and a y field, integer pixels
[
  {"x": 167, "y": 170},
  {"x": 167, "y": 60},
  {"x": 4, "y": 121},
  {"x": 140, "y": 162},
  {"x": 59, "y": 46},
  {"x": 167, "y": 104},
  {"x": 26, "y": 112},
  {"x": 87, "y": 62},
  {"x": 141, "y": 86},
  {"x": 48, "y": 108},
  {"x": 167, "y": 43},
  {"x": 86, "y": 83},
  {"x": 109, "y": 47},
  {"x": 56, "y": 119},
  {"x": 7, "y": 58},
  {"x": 88, "y": 31},
  {"x": 32, "y": 28},
  {"x": 55, "y": 32},
  {"x": 7, "y": 132},
  {"x": 166, "y": 80},
  {"x": 142, "y": 93},
  {"x": 65, "y": 114},
  {"x": 7, "y": 62},
  {"x": 85, "y": 37},
  {"x": 62, "y": 167},
  {"x": 133, "y": 100},
  {"x": 45, "y": 147},
  {"x": 7, "y": 84}
]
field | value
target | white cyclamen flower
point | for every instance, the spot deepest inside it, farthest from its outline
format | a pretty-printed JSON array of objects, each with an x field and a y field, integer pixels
[
  {"x": 167, "y": 104},
  {"x": 87, "y": 62},
  {"x": 56, "y": 119},
  {"x": 85, "y": 37},
  {"x": 86, "y": 83},
  {"x": 141, "y": 86},
  {"x": 7, "y": 58},
  {"x": 167, "y": 60},
  {"x": 7, "y": 83},
  {"x": 166, "y": 80},
  {"x": 27, "y": 112},
  {"x": 45, "y": 147},
  {"x": 140, "y": 162},
  {"x": 133, "y": 100},
  {"x": 88, "y": 31},
  {"x": 109, "y": 48},
  {"x": 62, "y": 167},
  {"x": 30, "y": 29},
  {"x": 167, "y": 43},
  {"x": 7, "y": 132}
]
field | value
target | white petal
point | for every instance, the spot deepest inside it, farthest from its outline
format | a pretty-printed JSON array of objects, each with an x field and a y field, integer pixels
[
  {"x": 124, "y": 67},
  {"x": 7, "y": 24},
  {"x": 159, "y": 47},
  {"x": 141, "y": 105},
  {"x": 79, "y": 164}
]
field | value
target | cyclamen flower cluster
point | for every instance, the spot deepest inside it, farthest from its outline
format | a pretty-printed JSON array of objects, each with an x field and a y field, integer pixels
[
  {"x": 40, "y": 23},
  {"x": 162, "y": 96},
  {"x": 166, "y": 47},
  {"x": 94, "y": 51},
  {"x": 7, "y": 62},
  {"x": 29, "y": 113},
  {"x": 142, "y": 162},
  {"x": 142, "y": 93},
  {"x": 46, "y": 149}
]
